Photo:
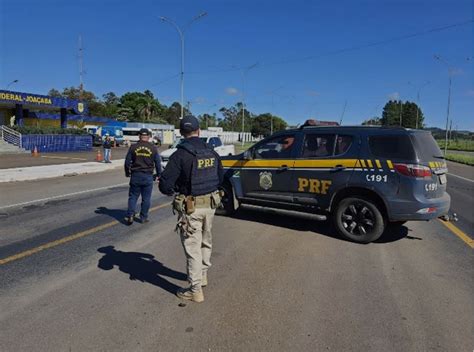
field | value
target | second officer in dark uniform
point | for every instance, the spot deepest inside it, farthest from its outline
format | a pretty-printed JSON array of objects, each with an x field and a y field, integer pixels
[
  {"x": 193, "y": 175},
  {"x": 141, "y": 161}
]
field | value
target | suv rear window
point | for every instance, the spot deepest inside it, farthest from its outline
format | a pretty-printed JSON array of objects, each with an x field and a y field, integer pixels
[
  {"x": 392, "y": 147},
  {"x": 426, "y": 146}
]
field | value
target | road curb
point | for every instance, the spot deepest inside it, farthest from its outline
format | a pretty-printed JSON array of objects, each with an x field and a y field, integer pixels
[{"x": 33, "y": 173}]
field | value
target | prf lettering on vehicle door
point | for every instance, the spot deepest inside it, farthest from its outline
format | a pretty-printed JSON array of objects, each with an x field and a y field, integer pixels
[{"x": 313, "y": 185}]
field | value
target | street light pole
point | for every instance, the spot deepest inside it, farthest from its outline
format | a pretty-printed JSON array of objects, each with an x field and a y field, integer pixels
[
  {"x": 418, "y": 100},
  {"x": 273, "y": 107},
  {"x": 440, "y": 59},
  {"x": 244, "y": 71},
  {"x": 12, "y": 82},
  {"x": 181, "y": 33}
]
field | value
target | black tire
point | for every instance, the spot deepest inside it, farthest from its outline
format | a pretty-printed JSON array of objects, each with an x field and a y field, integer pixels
[
  {"x": 227, "y": 206},
  {"x": 359, "y": 220}
]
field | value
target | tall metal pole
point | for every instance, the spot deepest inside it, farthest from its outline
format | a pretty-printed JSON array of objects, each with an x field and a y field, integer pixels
[
  {"x": 401, "y": 109},
  {"x": 181, "y": 33},
  {"x": 81, "y": 69},
  {"x": 439, "y": 58},
  {"x": 244, "y": 71},
  {"x": 447, "y": 116}
]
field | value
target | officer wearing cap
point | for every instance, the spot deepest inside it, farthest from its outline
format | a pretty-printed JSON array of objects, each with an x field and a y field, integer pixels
[
  {"x": 193, "y": 175},
  {"x": 142, "y": 159}
]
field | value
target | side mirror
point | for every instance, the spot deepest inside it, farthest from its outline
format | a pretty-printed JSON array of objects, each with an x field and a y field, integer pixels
[
  {"x": 170, "y": 146},
  {"x": 248, "y": 155}
]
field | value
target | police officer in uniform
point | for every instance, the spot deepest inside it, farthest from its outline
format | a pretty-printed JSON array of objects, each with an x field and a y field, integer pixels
[
  {"x": 142, "y": 159},
  {"x": 193, "y": 175}
]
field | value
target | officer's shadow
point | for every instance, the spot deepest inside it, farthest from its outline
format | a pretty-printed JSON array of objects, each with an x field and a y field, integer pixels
[{"x": 140, "y": 267}]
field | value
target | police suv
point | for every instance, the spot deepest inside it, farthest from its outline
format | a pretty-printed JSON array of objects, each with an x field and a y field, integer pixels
[{"x": 364, "y": 178}]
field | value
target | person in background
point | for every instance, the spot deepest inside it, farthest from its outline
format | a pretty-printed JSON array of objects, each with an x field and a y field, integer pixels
[
  {"x": 142, "y": 159},
  {"x": 107, "y": 148}
]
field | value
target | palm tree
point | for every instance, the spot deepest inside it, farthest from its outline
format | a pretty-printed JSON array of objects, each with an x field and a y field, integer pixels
[{"x": 147, "y": 108}]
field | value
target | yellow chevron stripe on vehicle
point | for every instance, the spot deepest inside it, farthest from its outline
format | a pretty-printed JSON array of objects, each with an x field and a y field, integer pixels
[
  {"x": 362, "y": 162},
  {"x": 389, "y": 163},
  {"x": 369, "y": 162},
  {"x": 299, "y": 163},
  {"x": 379, "y": 165}
]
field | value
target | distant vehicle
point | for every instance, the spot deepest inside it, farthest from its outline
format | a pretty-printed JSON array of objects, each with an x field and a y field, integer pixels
[
  {"x": 363, "y": 178},
  {"x": 131, "y": 135},
  {"x": 115, "y": 132},
  {"x": 214, "y": 142},
  {"x": 96, "y": 140}
]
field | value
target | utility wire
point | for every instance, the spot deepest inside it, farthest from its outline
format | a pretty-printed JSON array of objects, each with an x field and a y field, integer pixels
[{"x": 348, "y": 49}]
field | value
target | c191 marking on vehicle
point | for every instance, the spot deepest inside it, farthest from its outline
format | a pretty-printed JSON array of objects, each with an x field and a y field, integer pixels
[
  {"x": 313, "y": 185},
  {"x": 431, "y": 187},
  {"x": 376, "y": 178}
]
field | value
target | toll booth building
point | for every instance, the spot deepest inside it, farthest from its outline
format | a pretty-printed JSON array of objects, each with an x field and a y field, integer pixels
[{"x": 17, "y": 108}]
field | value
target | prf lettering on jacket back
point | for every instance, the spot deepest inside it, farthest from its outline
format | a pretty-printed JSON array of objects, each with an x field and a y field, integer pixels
[
  {"x": 205, "y": 163},
  {"x": 313, "y": 185}
]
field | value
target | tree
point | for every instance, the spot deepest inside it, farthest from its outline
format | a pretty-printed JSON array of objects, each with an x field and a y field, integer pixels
[
  {"x": 149, "y": 109},
  {"x": 374, "y": 121},
  {"x": 206, "y": 120},
  {"x": 261, "y": 124},
  {"x": 408, "y": 111},
  {"x": 54, "y": 93}
]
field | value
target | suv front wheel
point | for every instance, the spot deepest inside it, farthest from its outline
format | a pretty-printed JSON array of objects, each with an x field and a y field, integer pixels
[{"x": 359, "y": 220}]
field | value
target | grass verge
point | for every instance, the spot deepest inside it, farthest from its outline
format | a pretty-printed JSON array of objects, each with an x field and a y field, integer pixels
[{"x": 461, "y": 158}]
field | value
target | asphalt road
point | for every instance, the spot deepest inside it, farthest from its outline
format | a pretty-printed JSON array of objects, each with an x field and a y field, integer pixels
[
  {"x": 461, "y": 189},
  {"x": 280, "y": 281}
]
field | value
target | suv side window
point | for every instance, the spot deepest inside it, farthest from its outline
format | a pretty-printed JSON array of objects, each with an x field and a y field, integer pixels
[
  {"x": 318, "y": 145},
  {"x": 275, "y": 148},
  {"x": 392, "y": 147},
  {"x": 215, "y": 142},
  {"x": 343, "y": 143}
]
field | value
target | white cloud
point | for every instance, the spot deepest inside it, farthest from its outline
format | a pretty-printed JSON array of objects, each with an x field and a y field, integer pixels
[
  {"x": 232, "y": 91},
  {"x": 394, "y": 96}
]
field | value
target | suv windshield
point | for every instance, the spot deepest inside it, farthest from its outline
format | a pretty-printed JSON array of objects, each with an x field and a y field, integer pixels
[
  {"x": 426, "y": 146},
  {"x": 392, "y": 147}
]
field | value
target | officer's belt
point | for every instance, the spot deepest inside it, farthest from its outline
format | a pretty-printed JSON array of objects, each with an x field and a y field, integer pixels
[{"x": 203, "y": 201}]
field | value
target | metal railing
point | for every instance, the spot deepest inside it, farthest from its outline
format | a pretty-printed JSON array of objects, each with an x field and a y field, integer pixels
[{"x": 11, "y": 136}]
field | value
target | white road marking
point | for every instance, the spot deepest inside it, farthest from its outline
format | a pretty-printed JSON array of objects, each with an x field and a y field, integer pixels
[
  {"x": 463, "y": 178},
  {"x": 61, "y": 196}
]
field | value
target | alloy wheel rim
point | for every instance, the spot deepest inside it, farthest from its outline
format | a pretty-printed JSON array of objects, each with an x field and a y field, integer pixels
[{"x": 358, "y": 219}]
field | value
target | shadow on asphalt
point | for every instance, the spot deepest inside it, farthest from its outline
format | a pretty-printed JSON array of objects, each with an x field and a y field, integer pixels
[
  {"x": 140, "y": 267},
  {"x": 304, "y": 222},
  {"x": 117, "y": 214}
]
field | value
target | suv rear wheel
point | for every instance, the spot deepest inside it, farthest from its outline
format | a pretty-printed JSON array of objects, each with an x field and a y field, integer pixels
[{"x": 359, "y": 220}]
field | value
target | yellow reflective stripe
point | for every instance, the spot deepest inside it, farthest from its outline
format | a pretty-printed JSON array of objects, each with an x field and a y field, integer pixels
[
  {"x": 300, "y": 163},
  {"x": 362, "y": 162},
  {"x": 432, "y": 164},
  {"x": 369, "y": 162},
  {"x": 389, "y": 163},
  {"x": 325, "y": 163},
  {"x": 377, "y": 162}
]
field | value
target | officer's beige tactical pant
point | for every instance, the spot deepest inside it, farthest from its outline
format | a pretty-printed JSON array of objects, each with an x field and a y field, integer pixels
[{"x": 196, "y": 237}]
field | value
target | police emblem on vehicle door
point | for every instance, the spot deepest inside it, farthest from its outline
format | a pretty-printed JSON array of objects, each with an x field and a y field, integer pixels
[{"x": 266, "y": 180}]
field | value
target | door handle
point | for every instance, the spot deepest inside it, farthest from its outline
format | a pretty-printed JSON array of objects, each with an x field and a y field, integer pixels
[
  {"x": 282, "y": 168},
  {"x": 338, "y": 168}
]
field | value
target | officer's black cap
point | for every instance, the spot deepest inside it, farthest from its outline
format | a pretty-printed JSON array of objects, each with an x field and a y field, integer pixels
[
  {"x": 189, "y": 124},
  {"x": 144, "y": 132}
]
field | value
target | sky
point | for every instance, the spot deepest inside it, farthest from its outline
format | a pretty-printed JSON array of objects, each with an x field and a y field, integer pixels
[{"x": 318, "y": 59}]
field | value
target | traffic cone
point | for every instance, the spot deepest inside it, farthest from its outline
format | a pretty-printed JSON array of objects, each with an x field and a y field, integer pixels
[
  {"x": 98, "y": 157},
  {"x": 34, "y": 152}
]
